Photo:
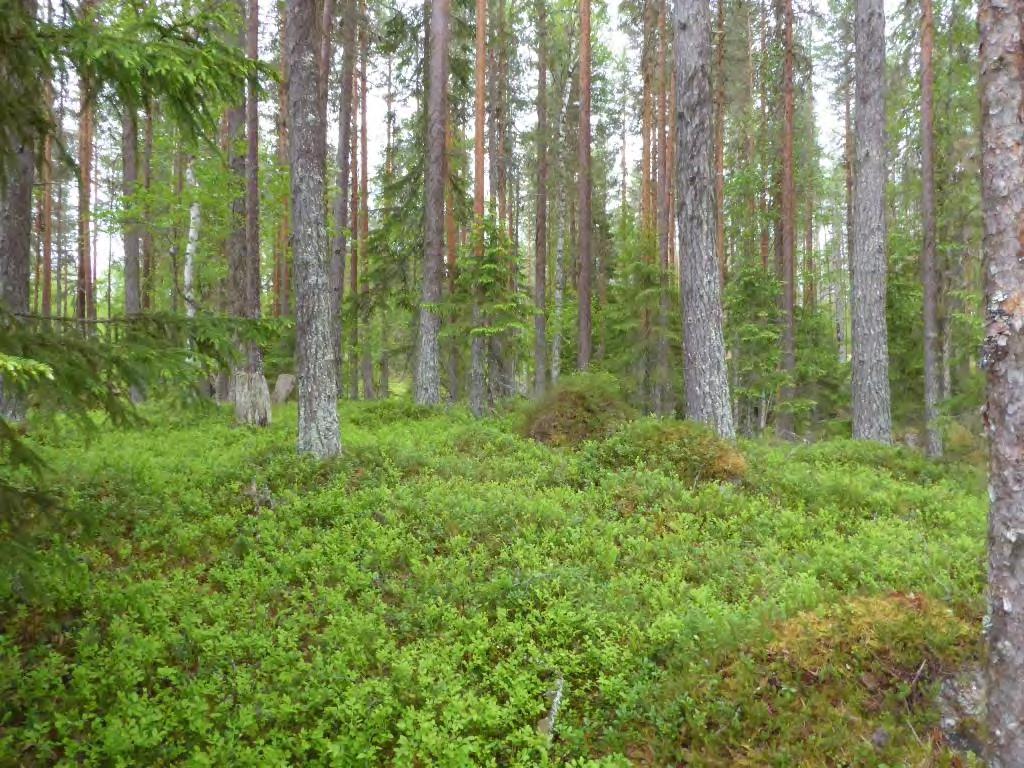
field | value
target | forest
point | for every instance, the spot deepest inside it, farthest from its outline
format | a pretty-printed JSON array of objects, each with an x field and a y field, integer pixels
[{"x": 511, "y": 382}]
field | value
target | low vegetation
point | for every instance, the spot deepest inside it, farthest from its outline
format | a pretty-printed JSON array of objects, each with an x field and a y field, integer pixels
[{"x": 218, "y": 601}]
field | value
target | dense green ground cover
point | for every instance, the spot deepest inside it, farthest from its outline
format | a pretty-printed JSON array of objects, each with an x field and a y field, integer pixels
[{"x": 218, "y": 601}]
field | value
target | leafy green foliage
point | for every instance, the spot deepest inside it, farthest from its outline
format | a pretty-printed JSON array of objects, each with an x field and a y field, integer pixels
[
  {"x": 683, "y": 449},
  {"x": 223, "y": 601}
]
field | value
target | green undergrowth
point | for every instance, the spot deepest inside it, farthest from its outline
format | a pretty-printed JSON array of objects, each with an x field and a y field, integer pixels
[{"x": 215, "y": 600}]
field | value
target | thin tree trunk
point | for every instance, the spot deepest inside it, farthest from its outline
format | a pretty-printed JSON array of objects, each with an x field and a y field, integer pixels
[
  {"x": 341, "y": 202},
  {"x": 929, "y": 272},
  {"x": 282, "y": 297},
  {"x": 662, "y": 399},
  {"x": 428, "y": 389},
  {"x": 252, "y": 396},
  {"x": 707, "y": 385},
  {"x": 586, "y": 256},
  {"x": 193, "y": 241},
  {"x": 129, "y": 161},
  {"x": 784, "y": 418},
  {"x": 315, "y": 345},
  {"x": 147, "y": 230},
  {"x": 85, "y": 139},
  {"x": 47, "y": 265},
  {"x": 872, "y": 419},
  {"x": 476, "y": 372},
  {"x": 540, "y": 265},
  {"x": 556, "y": 333},
  {"x": 353, "y": 284},
  {"x": 366, "y": 361},
  {"x": 1002, "y": 175}
]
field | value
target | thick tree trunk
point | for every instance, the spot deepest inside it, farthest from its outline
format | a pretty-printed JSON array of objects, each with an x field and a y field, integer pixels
[
  {"x": 586, "y": 257},
  {"x": 16, "y": 245},
  {"x": 316, "y": 346},
  {"x": 707, "y": 385},
  {"x": 1002, "y": 174},
  {"x": 428, "y": 387},
  {"x": 540, "y": 266},
  {"x": 784, "y": 419},
  {"x": 872, "y": 419},
  {"x": 929, "y": 272}
]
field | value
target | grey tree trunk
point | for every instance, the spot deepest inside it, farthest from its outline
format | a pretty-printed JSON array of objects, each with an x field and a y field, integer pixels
[
  {"x": 1002, "y": 174},
  {"x": 130, "y": 170},
  {"x": 556, "y": 333},
  {"x": 540, "y": 287},
  {"x": 15, "y": 249},
  {"x": 428, "y": 384},
  {"x": 707, "y": 384},
  {"x": 872, "y": 419},
  {"x": 315, "y": 348},
  {"x": 929, "y": 272},
  {"x": 586, "y": 257}
]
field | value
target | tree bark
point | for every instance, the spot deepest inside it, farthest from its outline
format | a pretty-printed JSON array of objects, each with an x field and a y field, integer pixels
[
  {"x": 192, "y": 245},
  {"x": 315, "y": 345},
  {"x": 1002, "y": 174},
  {"x": 129, "y": 164},
  {"x": 477, "y": 342},
  {"x": 83, "y": 294},
  {"x": 784, "y": 418},
  {"x": 586, "y": 257},
  {"x": 428, "y": 388},
  {"x": 365, "y": 358},
  {"x": 872, "y": 419},
  {"x": 252, "y": 396},
  {"x": 720, "y": 136},
  {"x": 929, "y": 272},
  {"x": 147, "y": 231},
  {"x": 707, "y": 386},
  {"x": 282, "y": 289},
  {"x": 341, "y": 202},
  {"x": 540, "y": 265}
]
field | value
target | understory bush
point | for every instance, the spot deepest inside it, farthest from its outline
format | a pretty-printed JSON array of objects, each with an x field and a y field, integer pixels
[
  {"x": 418, "y": 601},
  {"x": 682, "y": 449},
  {"x": 578, "y": 408}
]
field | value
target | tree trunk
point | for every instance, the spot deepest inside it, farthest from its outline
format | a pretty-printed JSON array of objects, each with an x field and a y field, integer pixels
[
  {"x": 353, "y": 283},
  {"x": 870, "y": 383},
  {"x": 477, "y": 342},
  {"x": 540, "y": 266},
  {"x": 16, "y": 243},
  {"x": 556, "y": 333},
  {"x": 428, "y": 388},
  {"x": 252, "y": 396},
  {"x": 586, "y": 218},
  {"x": 282, "y": 288},
  {"x": 707, "y": 385},
  {"x": 662, "y": 390},
  {"x": 83, "y": 294},
  {"x": 1002, "y": 174},
  {"x": 129, "y": 163},
  {"x": 365, "y": 359},
  {"x": 341, "y": 202},
  {"x": 147, "y": 231},
  {"x": 315, "y": 344},
  {"x": 929, "y": 272},
  {"x": 784, "y": 418},
  {"x": 193, "y": 241},
  {"x": 720, "y": 135}
]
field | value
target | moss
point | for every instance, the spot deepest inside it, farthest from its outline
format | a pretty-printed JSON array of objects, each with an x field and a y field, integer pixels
[
  {"x": 580, "y": 408},
  {"x": 682, "y": 449}
]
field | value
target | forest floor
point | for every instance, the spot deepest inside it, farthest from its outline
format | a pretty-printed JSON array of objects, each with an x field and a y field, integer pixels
[{"x": 214, "y": 600}]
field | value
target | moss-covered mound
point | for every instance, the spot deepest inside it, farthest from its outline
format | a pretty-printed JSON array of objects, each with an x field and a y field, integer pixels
[
  {"x": 682, "y": 449},
  {"x": 582, "y": 407}
]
